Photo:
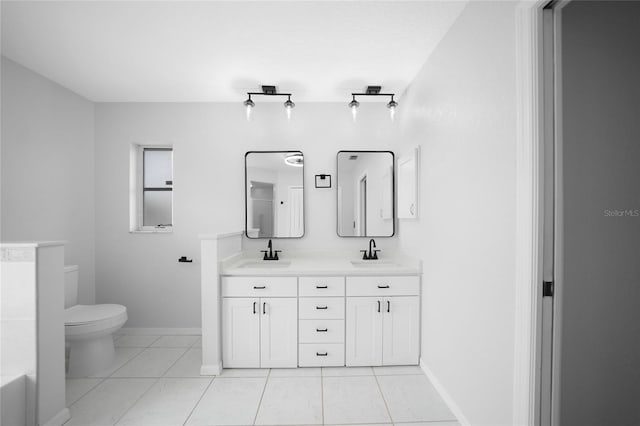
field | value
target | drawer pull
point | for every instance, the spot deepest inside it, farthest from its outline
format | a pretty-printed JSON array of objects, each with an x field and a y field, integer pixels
[
  {"x": 259, "y": 287},
  {"x": 388, "y": 306},
  {"x": 383, "y": 286},
  {"x": 323, "y": 354},
  {"x": 254, "y": 307},
  {"x": 322, "y": 330},
  {"x": 264, "y": 308},
  {"x": 322, "y": 286},
  {"x": 321, "y": 307},
  {"x": 378, "y": 306}
]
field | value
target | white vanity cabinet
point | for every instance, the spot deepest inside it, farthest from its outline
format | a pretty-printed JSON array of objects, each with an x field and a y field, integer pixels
[
  {"x": 321, "y": 321},
  {"x": 259, "y": 322},
  {"x": 382, "y": 321}
]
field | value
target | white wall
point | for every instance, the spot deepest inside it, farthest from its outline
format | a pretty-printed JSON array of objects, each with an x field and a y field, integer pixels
[
  {"x": 600, "y": 348},
  {"x": 209, "y": 142},
  {"x": 461, "y": 110},
  {"x": 48, "y": 168}
]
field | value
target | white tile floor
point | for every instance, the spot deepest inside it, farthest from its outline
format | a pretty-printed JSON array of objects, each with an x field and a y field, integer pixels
[{"x": 156, "y": 382}]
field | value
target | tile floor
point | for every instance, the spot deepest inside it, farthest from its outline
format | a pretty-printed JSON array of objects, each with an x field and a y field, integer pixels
[{"x": 156, "y": 382}]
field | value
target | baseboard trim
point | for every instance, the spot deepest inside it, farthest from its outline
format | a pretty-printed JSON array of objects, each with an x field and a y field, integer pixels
[
  {"x": 59, "y": 419},
  {"x": 211, "y": 369},
  {"x": 160, "y": 331},
  {"x": 455, "y": 409}
]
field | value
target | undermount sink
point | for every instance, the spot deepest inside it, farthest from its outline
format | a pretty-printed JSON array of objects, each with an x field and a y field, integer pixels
[
  {"x": 260, "y": 264},
  {"x": 374, "y": 263}
]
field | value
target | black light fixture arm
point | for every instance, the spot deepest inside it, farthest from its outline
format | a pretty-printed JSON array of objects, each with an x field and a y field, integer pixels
[
  {"x": 373, "y": 94},
  {"x": 268, "y": 94}
]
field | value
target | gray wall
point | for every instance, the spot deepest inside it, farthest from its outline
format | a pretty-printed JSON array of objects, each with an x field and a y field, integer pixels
[
  {"x": 461, "y": 110},
  {"x": 600, "y": 364},
  {"x": 48, "y": 168},
  {"x": 210, "y": 139}
]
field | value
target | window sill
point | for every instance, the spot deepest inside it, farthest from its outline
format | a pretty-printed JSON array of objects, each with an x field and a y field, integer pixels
[{"x": 152, "y": 231}]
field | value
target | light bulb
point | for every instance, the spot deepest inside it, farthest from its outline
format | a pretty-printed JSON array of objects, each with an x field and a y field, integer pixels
[
  {"x": 392, "y": 108},
  {"x": 288, "y": 106},
  {"x": 354, "y": 108},
  {"x": 249, "y": 104}
]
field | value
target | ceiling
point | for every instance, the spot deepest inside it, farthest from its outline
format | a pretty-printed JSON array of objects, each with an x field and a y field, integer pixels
[{"x": 216, "y": 51}]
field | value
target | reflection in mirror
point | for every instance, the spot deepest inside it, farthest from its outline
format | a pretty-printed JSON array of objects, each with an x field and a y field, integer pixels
[
  {"x": 274, "y": 194},
  {"x": 365, "y": 194}
]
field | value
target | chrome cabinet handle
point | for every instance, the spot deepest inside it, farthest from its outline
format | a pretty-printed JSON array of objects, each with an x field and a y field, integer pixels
[
  {"x": 254, "y": 307},
  {"x": 321, "y": 307},
  {"x": 383, "y": 286},
  {"x": 259, "y": 287},
  {"x": 324, "y": 354},
  {"x": 264, "y": 308},
  {"x": 378, "y": 306},
  {"x": 388, "y": 306},
  {"x": 322, "y": 330},
  {"x": 321, "y": 286}
]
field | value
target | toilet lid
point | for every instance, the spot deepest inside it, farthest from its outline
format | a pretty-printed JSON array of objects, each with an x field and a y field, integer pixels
[{"x": 85, "y": 314}]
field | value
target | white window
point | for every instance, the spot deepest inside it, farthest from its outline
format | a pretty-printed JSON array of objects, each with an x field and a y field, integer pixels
[{"x": 151, "y": 192}]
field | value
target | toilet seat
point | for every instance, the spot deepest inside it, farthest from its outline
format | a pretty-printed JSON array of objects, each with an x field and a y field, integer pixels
[{"x": 87, "y": 319}]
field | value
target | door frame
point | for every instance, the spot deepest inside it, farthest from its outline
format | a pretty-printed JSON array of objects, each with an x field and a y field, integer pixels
[
  {"x": 530, "y": 167},
  {"x": 361, "y": 204}
]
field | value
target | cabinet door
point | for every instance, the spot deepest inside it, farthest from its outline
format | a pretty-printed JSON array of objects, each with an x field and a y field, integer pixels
[
  {"x": 401, "y": 327},
  {"x": 240, "y": 333},
  {"x": 364, "y": 331},
  {"x": 408, "y": 185},
  {"x": 279, "y": 332}
]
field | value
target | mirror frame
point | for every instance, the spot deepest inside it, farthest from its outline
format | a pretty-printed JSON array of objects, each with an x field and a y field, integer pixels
[
  {"x": 393, "y": 193},
  {"x": 246, "y": 202}
]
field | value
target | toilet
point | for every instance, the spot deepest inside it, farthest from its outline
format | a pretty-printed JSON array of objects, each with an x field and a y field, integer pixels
[{"x": 89, "y": 330}]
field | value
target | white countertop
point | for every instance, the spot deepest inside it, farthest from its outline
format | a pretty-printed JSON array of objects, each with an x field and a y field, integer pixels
[
  {"x": 30, "y": 244},
  {"x": 319, "y": 263}
]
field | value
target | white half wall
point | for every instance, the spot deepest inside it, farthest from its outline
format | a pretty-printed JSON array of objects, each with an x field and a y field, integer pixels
[
  {"x": 48, "y": 168},
  {"x": 210, "y": 140},
  {"x": 461, "y": 110}
]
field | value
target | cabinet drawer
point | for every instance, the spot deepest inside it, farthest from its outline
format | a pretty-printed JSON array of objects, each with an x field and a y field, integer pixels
[
  {"x": 321, "y": 355},
  {"x": 383, "y": 286},
  {"x": 321, "y": 308},
  {"x": 259, "y": 286},
  {"x": 321, "y": 286},
  {"x": 321, "y": 331}
]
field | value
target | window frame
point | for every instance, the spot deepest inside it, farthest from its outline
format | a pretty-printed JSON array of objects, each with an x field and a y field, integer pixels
[{"x": 137, "y": 190}]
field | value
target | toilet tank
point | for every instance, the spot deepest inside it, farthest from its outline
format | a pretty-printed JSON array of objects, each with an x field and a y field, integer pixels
[{"x": 70, "y": 286}]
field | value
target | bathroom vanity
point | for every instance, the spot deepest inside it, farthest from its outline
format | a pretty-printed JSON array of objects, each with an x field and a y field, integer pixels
[{"x": 312, "y": 310}]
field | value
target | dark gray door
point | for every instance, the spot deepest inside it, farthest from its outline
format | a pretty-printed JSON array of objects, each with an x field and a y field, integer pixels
[{"x": 598, "y": 224}]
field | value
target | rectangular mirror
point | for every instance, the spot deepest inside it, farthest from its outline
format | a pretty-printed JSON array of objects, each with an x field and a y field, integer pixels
[
  {"x": 274, "y": 194},
  {"x": 365, "y": 182}
]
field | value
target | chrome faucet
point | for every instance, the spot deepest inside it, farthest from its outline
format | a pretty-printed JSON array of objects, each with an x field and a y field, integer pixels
[
  {"x": 372, "y": 254},
  {"x": 270, "y": 254}
]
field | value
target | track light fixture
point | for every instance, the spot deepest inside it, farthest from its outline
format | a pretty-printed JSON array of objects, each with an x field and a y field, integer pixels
[
  {"x": 373, "y": 91},
  {"x": 269, "y": 91}
]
